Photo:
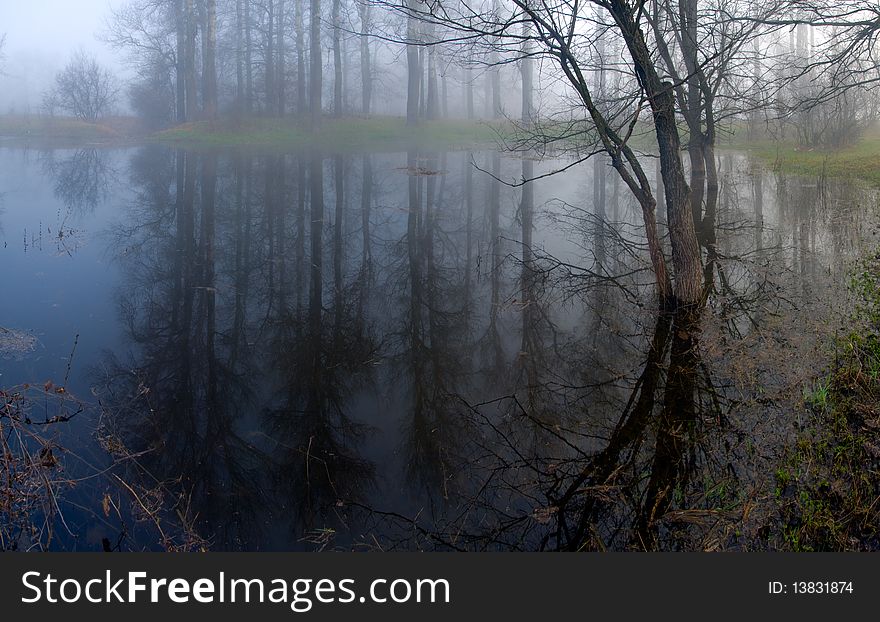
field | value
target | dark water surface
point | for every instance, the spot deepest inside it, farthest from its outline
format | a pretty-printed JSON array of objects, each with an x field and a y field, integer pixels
[{"x": 397, "y": 351}]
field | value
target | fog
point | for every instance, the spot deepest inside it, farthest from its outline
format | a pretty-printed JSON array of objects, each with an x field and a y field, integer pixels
[
  {"x": 40, "y": 36},
  {"x": 397, "y": 274}
]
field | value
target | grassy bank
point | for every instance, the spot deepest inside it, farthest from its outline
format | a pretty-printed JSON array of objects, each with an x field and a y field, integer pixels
[
  {"x": 828, "y": 484},
  {"x": 68, "y": 129},
  {"x": 348, "y": 134},
  {"x": 858, "y": 161}
]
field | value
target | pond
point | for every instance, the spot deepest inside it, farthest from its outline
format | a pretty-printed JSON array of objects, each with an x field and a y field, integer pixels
[{"x": 407, "y": 350}]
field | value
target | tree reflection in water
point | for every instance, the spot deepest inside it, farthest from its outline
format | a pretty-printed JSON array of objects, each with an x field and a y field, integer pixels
[{"x": 400, "y": 351}]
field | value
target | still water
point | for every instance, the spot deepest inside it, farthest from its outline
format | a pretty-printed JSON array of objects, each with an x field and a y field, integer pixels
[{"x": 408, "y": 350}]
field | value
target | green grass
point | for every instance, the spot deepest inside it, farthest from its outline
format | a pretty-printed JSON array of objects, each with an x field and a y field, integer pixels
[
  {"x": 858, "y": 161},
  {"x": 347, "y": 134}
]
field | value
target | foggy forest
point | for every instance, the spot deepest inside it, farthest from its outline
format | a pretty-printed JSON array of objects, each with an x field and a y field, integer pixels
[{"x": 416, "y": 275}]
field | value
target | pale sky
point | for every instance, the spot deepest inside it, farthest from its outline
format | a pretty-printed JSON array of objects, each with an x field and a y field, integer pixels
[{"x": 40, "y": 36}]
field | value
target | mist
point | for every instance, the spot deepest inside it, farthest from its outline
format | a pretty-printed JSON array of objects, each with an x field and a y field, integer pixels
[
  {"x": 40, "y": 37},
  {"x": 504, "y": 275}
]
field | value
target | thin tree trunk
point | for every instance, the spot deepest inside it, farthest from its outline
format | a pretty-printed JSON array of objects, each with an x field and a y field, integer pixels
[
  {"x": 337, "y": 61},
  {"x": 366, "y": 68},
  {"x": 248, "y": 59},
  {"x": 315, "y": 75},
  {"x": 413, "y": 68},
  {"x": 190, "y": 62},
  {"x": 239, "y": 57},
  {"x": 209, "y": 70},
  {"x": 269, "y": 69},
  {"x": 300, "y": 58},
  {"x": 527, "y": 73},
  {"x": 180, "y": 60},
  {"x": 469, "y": 91},
  {"x": 280, "y": 65}
]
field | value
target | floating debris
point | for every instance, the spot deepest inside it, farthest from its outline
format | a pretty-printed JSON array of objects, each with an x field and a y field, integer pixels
[
  {"x": 420, "y": 171},
  {"x": 15, "y": 344}
]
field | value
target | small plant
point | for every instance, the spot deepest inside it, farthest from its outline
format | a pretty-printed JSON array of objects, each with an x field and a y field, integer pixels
[{"x": 817, "y": 396}]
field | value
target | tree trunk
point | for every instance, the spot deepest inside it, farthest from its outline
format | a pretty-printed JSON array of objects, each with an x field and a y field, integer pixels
[
  {"x": 280, "y": 67},
  {"x": 315, "y": 76},
  {"x": 469, "y": 91},
  {"x": 180, "y": 61},
  {"x": 190, "y": 62},
  {"x": 300, "y": 58},
  {"x": 337, "y": 61},
  {"x": 366, "y": 68},
  {"x": 685, "y": 249},
  {"x": 444, "y": 96},
  {"x": 433, "y": 99},
  {"x": 269, "y": 68},
  {"x": 239, "y": 57},
  {"x": 694, "y": 113},
  {"x": 527, "y": 77},
  {"x": 209, "y": 70},
  {"x": 248, "y": 59},
  {"x": 413, "y": 68}
]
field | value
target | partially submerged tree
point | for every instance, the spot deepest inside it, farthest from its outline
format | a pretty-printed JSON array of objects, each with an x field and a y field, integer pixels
[
  {"x": 84, "y": 89},
  {"x": 566, "y": 32}
]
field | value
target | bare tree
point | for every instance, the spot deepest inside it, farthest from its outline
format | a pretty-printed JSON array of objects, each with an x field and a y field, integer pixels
[
  {"x": 83, "y": 89},
  {"x": 562, "y": 31}
]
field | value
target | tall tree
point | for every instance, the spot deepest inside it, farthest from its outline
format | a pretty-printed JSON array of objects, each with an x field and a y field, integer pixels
[
  {"x": 315, "y": 78},
  {"x": 300, "y": 57},
  {"x": 189, "y": 63},
  {"x": 209, "y": 70},
  {"x": 180, "y": 60},
  {"x": 280, "y": 67},
  {"x": 270, "y": 74},
  {"x": 337, "y": 59},
  {"x": 413, "y": 65},
  {"x": 366, "y": 63}
]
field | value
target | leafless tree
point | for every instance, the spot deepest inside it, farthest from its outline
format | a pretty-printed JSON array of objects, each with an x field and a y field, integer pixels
[{"x": 84, "y": 89}]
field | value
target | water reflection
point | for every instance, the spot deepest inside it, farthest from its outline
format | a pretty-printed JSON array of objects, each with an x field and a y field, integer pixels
[
  {"x": 401, "y": 351},
  {"x": 82, "y": 177}
]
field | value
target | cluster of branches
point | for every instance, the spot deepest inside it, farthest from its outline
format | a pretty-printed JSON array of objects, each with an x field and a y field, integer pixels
[
  {"x": 83, "y": 89},
  {"x": 31, "y": 474}
]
